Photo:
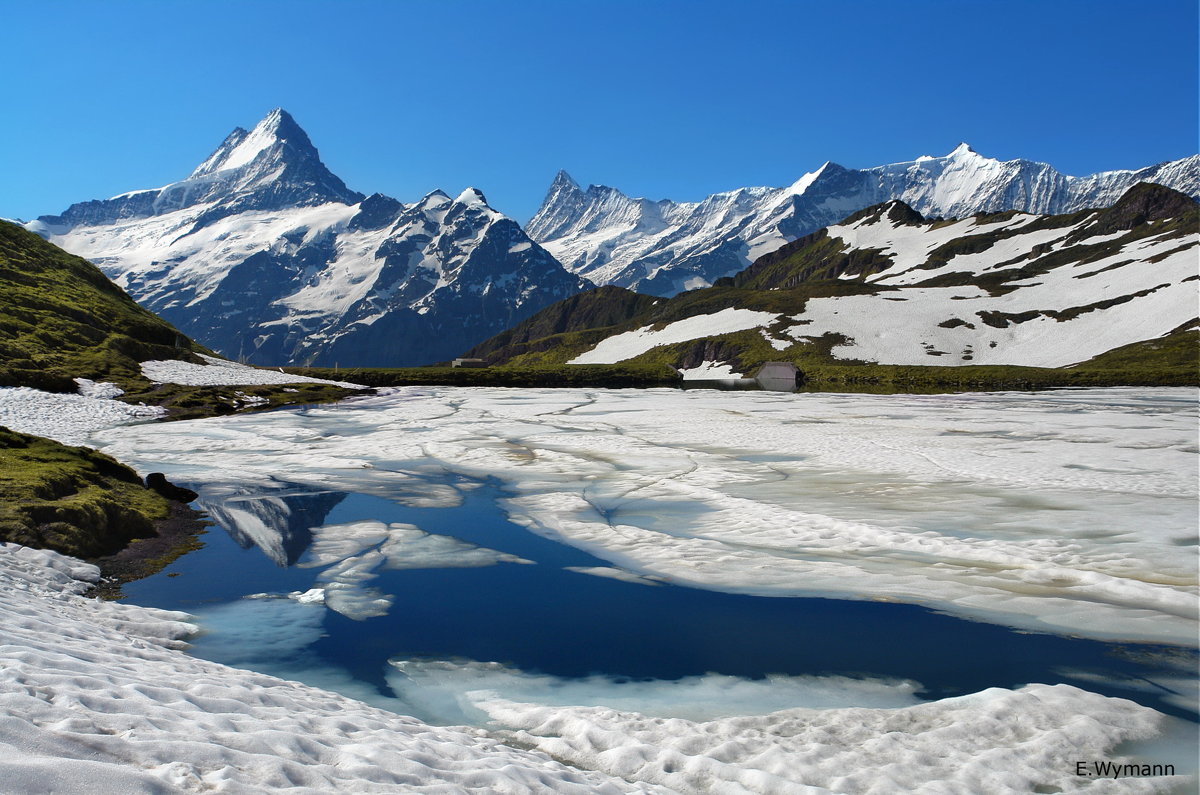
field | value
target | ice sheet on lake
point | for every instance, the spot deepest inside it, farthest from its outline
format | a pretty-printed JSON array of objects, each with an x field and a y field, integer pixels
[
  {"x": 614, "y": 573},
  {"x": 96, "y": 697},
  {"x": 448, "y": 692},
  {"x": 1069, "y": 511}
]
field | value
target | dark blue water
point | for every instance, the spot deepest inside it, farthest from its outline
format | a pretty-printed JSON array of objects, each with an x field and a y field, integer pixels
[{"x": 544, "y": 619}]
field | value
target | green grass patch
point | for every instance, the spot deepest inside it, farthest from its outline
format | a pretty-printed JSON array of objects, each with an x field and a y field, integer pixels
[{"x": 73, "y": 500}]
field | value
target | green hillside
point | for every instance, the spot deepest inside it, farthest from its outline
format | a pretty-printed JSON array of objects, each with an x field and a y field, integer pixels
[{"x": 61, "y": 318}]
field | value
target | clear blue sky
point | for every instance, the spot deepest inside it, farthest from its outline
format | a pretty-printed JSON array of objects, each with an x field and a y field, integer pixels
[{"x": 666, "y": 98}]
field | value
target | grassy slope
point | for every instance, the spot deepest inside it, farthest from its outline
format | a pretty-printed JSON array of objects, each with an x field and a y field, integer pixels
[
  {"x": 60, "y": 317},
  {"x": 71, "y": 499}
]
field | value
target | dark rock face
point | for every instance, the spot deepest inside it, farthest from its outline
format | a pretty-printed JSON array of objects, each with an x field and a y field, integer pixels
[
  {"x": 1141, "y": 204},
  {"x": 157, "y": 482}
]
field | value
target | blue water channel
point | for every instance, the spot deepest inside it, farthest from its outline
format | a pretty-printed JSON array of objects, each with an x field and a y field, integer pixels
[{"x": 542, "y": 618}]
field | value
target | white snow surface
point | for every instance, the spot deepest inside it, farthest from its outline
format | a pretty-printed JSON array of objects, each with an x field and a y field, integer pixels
[
  {"x": 97, "y": 697},
  {"x": 709, "y": 370},
  {"x": 620, "y": 347},
  {"x": 219, "y": 372},
  {"x": 1149, "y": 300},
  {"x": 993, "y": 741},
  {"x": 67, "y": 418},
  {"x": 1070, "y": 512}
]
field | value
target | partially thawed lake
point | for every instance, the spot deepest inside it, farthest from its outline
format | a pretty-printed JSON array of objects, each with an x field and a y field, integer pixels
[{"x": 528, "y": 561}]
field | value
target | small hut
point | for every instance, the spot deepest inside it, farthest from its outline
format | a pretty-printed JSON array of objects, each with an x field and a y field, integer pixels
[{"x": 778, "y": 376}]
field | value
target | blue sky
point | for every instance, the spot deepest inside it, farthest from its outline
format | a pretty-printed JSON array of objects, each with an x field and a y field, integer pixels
[{"x": 667, "y": 98}]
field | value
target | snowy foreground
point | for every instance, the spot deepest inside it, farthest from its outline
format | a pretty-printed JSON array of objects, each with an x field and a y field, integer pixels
[
  {"x": 95, "y": 697},
  {"x": 1069, "y": 511}
]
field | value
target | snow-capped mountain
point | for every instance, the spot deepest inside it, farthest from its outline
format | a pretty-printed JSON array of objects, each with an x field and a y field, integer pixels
[
  {"x": 264, "y": 255},
  {"x": 664, "y": 247},
  {"x": 889, "y": 286}
]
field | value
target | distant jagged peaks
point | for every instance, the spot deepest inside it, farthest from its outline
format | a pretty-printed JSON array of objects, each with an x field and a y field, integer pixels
[{"x": 666, "y": 247}]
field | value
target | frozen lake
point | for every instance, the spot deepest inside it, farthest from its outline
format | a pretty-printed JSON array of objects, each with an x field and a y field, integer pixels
[{"x": 474, "y": 555}]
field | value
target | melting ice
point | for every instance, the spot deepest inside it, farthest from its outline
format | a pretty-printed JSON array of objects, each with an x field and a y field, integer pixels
[{"x": 1069, "y": 512}]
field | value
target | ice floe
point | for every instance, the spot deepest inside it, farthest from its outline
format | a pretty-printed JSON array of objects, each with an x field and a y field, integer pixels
[{"x": 354, "y": 550}]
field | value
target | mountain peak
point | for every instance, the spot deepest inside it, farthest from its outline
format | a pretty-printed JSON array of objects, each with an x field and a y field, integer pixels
[
  {"x": 277, "y": 133},
  {"x": 472, "y": 196},
  {"x": 962, "y": 150},
  {"x": 801, "y": 185},
  {"x": 563, "y": 180}
]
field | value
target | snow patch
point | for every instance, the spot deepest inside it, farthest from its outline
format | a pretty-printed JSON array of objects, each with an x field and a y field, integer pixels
[
  {"x": 629, "y": 344},
  {"x": 219, "y": 372},
  {"x": 96, "y": 697},
  {"x": 69, "y": 419}
]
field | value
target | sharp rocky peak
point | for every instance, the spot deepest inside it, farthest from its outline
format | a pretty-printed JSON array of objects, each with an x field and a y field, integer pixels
[
  {"x": 563, "y": 181},
  {"x": 277, "y": 137}
]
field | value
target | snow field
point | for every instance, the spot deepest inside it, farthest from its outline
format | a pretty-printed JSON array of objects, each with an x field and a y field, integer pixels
[
  {"x": 994, "y": 741},
  {"x": 620, "y": 347},
  {"x": 907, "y": 328},
  {"x": 66, "y": 418},
  {"x": 219, "y": 372},
  {"x": 1065, "y": 509},
  {"x": 905, "y": 331}
]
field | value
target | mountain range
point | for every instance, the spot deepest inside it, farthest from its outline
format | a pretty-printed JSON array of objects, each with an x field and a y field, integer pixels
[
  {"x": 888, "y": 286},
  {"x": 665, "y": 247},
  {"x": 265, "y": 256},
  {"x": 268, "y": 257}
]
